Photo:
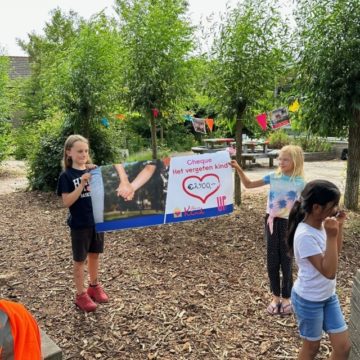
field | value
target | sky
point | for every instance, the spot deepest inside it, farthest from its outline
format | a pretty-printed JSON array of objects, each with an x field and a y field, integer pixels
[{"x": 21, "y": 17}]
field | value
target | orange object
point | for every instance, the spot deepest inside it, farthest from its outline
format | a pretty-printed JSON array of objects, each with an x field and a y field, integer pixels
[
  {"x": 24, "y": 342},
  {"x": 210, "y": 123},
  {"x": 120, "y": 116}
]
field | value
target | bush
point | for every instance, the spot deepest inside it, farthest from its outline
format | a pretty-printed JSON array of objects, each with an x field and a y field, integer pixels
[
  {"x": 5, "y": 139},
  {"x": 47, "y": 152},
  {"x": 45, "y": 157},
  {"x": 25, "y": 137},
  {"x": 313, "y": 144},
  {"x": 179, "y": 138},
  {"x": 278, "y": 139}
]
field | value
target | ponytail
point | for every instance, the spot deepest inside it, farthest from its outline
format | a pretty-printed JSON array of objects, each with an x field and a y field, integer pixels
[{"x": 296, "y": 216}]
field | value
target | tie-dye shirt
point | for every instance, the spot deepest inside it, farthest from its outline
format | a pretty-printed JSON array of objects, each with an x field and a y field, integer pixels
[{"x": 284, "y": 190}]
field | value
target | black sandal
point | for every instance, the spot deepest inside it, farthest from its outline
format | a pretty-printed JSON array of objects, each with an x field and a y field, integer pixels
[{"x": 273, "y": 309}]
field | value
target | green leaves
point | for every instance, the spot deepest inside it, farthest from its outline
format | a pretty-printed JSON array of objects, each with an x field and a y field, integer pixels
[
  {"x": 329, "y": 62},
  {"x": 157, "y": 40},
  {"x": 249, "y": 55}
]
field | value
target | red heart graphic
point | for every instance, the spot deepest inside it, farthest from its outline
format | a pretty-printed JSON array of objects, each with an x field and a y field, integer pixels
[{"x": 200, "y": 179}]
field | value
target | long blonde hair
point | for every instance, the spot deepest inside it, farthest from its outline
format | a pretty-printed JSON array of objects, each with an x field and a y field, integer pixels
[
  {"x": 67, "y": 162},
  {"x": 297, "y": 156}
]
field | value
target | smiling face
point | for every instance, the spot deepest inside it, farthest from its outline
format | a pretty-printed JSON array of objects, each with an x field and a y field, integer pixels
[
  {"x": 286, "y": 163},
  {"x": 79, "y": 153}
]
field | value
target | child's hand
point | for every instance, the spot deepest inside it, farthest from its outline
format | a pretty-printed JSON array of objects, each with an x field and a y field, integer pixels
[
  {"x": 125, "y": 190},
  {"x": 341, "y": 217},
  {"x": 85, "y": 178},
  {"x": 234, "y": 164},
  {"x": 331, "y": 226},
  {"x": 90, "y": 166}
]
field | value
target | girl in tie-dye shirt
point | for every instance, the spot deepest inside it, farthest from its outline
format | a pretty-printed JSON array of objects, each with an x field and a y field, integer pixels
[{"x": 286, "y": 184}]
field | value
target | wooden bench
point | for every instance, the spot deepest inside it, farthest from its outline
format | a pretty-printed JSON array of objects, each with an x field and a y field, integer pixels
[{"x": 251, "y": 157}]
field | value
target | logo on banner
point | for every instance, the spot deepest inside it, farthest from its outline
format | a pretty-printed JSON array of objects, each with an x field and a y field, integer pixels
[
  {"x": 201, "y": 187},
  {"x": 177, "y": 213}
]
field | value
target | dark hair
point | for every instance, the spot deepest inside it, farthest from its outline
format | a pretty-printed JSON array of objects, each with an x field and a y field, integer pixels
[{"x": 321, "y": 192}]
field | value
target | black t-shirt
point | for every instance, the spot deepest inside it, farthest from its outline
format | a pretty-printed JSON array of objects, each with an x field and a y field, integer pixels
[{"x": 81, "y": 214}]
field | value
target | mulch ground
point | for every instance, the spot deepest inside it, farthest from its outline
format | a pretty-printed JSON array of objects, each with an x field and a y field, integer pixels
[{"x": 196, "y": 290}]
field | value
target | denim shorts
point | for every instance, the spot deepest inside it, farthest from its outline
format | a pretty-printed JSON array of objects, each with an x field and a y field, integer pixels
[{"x": 314, "y": 317}]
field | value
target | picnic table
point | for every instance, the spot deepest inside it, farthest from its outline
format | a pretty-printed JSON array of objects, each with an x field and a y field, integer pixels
[
  {"x": 250, "y": 145},
  {"x": 222, "y": 142}
]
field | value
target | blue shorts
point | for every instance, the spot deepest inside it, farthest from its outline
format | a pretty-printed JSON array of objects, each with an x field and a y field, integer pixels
[{"x": 314, "y": 317}]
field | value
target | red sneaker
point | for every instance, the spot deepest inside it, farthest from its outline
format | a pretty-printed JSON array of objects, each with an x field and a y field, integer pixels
[
  {"x": 98, "y": 294},
  {"x": 84, "y": 302}
]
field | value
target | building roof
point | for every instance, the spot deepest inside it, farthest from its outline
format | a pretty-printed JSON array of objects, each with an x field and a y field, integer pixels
[{"x": 19, "y": 66}]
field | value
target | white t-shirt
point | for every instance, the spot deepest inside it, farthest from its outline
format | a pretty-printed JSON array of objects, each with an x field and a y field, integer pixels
[{"x": 310, "y": 283}]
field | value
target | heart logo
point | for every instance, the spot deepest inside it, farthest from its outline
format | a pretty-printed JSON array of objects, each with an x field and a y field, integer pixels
[{"x": 201, "y": 187}]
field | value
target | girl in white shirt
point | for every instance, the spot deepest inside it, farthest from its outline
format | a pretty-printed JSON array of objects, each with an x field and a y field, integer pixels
[{"x": 315, "y": 237}]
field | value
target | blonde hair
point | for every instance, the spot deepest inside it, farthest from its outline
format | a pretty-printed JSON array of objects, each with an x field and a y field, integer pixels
[
  {"x": 297, "y": 156},
  {"x": 69, "y": 143}
]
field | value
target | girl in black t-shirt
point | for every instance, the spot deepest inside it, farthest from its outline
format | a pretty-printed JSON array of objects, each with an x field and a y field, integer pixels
[{"x": 73, "y": 187}]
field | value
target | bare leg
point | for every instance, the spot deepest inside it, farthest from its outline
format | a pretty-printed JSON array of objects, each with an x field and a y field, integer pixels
[
  {"x": 309, "y": 350},
  {"x": 79, "y": 267},
  {"x": 93, "y": 266},
  {"x": 341, "y": 346}
]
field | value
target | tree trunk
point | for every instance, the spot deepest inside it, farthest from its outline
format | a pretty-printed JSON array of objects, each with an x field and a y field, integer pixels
[
  {"x": 353, "y": 165},
  {"x": 238, "y": 139},
  {"x": 153, "y": 137}
]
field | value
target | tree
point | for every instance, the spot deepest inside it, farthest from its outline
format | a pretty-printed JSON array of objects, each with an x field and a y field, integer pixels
[
  {"x": 78, "y": 76},
  {"x": 157, "y": 38},
  {"x": 87, "y": 77},
  {"x": 44, "y": 51},
  {"x": 249, "y": 55},
  {"x": 329, "y": 76}
]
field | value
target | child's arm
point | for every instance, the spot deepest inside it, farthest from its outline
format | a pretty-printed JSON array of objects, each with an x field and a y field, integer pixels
[
  {"x": 244, "y": 179},
  {"x": 327, "y": 264},
  {"x": 340, "y": 217},
  {"x": 124, "y": 189},
  {"x": 143, "y": 176},
  {"x": 70, "y": 198}
]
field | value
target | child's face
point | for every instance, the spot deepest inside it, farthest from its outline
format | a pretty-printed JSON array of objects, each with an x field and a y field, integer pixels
[
  {"x": 328, "y": 210},
  {"x": 286, "y": 163},
  {"x": 79, "y": 153}
]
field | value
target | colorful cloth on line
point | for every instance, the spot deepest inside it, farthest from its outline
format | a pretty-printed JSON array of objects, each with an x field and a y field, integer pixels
[{"x": 284, "y": 191}]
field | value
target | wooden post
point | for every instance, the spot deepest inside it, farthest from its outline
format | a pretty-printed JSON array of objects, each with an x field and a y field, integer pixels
[{"x": 354, "y": 323}]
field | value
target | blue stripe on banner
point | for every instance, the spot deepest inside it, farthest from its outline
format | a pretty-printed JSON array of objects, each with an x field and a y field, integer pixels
[
  {"x": 199, "y": 214},
  {"x": 151, "y": 220},
  {"x": 135, "y": 222}
]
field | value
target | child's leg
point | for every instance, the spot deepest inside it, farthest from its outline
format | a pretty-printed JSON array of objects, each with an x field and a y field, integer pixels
[
  {"x": 335, "y": 326},
  {"x": 273, "y": 261},
  {"x": 341, "y": 346},
  {"x": 79, "y": 267},
  {"x": 95, "y": 290},
  {"x": 309, "y": 350},
  {"x": 93, "y": 266},
  {"x": 310, "y": 318}
]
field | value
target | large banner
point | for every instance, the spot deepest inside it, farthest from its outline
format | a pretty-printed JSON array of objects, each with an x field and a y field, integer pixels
[{"x": 157, "y": 192}]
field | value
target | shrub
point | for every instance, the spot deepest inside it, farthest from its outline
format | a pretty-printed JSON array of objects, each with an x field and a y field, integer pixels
[
  {"x": 25, "y": 137},
  {"x": 45, "y": 157},
  {"x": 278, "y": 139},
  {"x": 5, "y": 139},
  {"x": 179, "y": 138},
  {"x": 47, "y": 153},
  {"x": 313, "y": 144}
]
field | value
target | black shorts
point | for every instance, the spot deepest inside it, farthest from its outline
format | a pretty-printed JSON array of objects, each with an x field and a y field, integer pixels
[{"x": 84, "y": 241}]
